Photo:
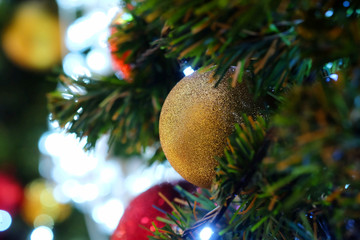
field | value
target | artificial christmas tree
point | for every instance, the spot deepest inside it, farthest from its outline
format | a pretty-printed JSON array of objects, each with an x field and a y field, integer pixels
[{"x": 290, "y": 173}]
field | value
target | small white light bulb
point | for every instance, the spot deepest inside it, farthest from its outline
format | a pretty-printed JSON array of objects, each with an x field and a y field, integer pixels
[
  {"x": 206, "y": 233},
  {"x": 334, "y": 76},
  {"x": 187, "y": 71}
]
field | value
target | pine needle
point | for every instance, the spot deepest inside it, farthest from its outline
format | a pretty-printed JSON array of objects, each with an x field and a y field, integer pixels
[
  {"x": 251, "y": 205},
  {"x": 169, "y": 202}
]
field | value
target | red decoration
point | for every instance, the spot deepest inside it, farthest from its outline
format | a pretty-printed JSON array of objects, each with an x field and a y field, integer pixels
[
  {"x": 118, "y": 64},
  {"x": 141, "y": 211},
  {"x": 119, "y": 61},
  {"x": 11, "y": 193}
]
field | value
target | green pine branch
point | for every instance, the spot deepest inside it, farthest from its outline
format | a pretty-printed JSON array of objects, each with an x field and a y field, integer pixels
[
  {"x": 278, "y": 43},
  {"x": 285, "y": 40},
  {"x": 241, "y": 158},
  {"x": 307, "y": 186},
  {"x": 127, "y": 112},
  {"x": 316, "y": 156}
]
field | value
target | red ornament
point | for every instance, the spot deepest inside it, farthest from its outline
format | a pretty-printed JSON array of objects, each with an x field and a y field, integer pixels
[
  {"x": 141, "y": 212},
  {"x": 11, "y": 193}
]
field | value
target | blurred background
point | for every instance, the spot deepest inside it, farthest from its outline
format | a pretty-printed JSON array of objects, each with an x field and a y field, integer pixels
[{"x": 49, "y": 187}]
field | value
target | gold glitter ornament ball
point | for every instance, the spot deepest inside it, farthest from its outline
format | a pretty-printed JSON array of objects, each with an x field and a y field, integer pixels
[{"x": 196, "y": 119}]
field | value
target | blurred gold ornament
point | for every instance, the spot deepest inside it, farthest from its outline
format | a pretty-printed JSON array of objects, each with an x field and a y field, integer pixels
[
  {"x": 33, "y": 40},
  {"x": 40, "y": 206},
  {"x": 196, "y": 119}
]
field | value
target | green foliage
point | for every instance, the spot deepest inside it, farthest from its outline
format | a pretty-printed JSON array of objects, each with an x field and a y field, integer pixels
[
  {"x": 195, "y": 207},
  {"x": 307, "y": 185},
  {"x": 127, "y": 110},
  {"x": 278, "y": 43},
  {"x": 316, "y": 167},
  {"x": 91, "y": 108},
  {"x": 237, "y": 166},
  {"x": 226, "y": 33},
  {"x": 285, "y": 40},
  {"x": 329, "y": 31}
]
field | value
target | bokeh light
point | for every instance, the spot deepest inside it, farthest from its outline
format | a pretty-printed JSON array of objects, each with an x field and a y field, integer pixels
[
  {"x": 74, "y": 64},
  {"x": 109, "y": 214},
  {"x": 42, "y": 233},
  {"x": 5, "y": 220},
  {"x": 82, "y": 33},
  {"x": 99, "y": 62},
  {"x": 206, "y": 233},
  {"x": 329, "y": 13}
]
